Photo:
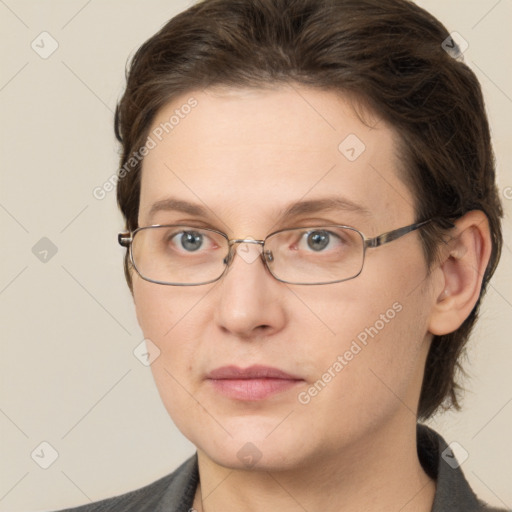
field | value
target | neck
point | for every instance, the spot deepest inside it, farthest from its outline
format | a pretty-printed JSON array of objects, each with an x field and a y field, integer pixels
[{"x": 376, "y": 474}]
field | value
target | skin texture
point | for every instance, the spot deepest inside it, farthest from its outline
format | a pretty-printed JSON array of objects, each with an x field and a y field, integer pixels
[{"x": 245, "y": 155}]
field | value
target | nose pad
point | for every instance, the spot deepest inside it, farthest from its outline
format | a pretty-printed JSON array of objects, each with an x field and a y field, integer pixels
[
  {"x": 229, "y": 258},
  {"x": 268, "y": 256}
]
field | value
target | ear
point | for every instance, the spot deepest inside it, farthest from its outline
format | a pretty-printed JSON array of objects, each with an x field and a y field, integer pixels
[{"x": 463, "y": 262}]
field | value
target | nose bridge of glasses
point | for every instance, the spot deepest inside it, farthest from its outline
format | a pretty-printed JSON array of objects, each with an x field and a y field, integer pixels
[
  {"x": 245, "y": 252},
  {"x": 245, "y": 241}
]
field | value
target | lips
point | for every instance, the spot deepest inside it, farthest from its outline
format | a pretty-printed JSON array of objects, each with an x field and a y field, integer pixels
[
  {"x": 252, "y": 383},
  {"x": 253, "y": 372}
]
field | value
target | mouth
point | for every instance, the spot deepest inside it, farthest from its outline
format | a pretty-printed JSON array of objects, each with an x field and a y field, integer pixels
[{"x": 251, "y": 384}]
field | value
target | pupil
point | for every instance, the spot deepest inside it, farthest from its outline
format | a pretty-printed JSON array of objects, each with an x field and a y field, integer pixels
[
  {"x": 191, "y": 241},
  {"x": 318, "y": 240}
]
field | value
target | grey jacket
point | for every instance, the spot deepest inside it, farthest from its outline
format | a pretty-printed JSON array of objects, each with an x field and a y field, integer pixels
[{"x": 175, "y": 492}]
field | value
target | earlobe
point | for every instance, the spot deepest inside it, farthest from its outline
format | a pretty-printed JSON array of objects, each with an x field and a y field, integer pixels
[{"x": 463, "y": 263}]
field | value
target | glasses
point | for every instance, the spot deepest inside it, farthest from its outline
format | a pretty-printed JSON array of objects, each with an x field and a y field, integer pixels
[{"x": 182, "y": 255}]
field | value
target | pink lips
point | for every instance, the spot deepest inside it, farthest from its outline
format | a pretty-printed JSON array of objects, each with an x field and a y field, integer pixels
[{"x": 253, "y": 383}]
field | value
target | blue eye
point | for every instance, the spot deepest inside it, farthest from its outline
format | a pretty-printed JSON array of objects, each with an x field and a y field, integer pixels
[
  {"x": 318, "y": 240},
  {"x": 190, "y": 240}
]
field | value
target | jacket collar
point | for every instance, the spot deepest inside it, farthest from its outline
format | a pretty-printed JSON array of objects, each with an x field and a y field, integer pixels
[{"x": 453, "y": 492}]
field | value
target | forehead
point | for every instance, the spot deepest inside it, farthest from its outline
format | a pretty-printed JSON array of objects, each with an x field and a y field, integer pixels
[{"x": 247, "y": 153}]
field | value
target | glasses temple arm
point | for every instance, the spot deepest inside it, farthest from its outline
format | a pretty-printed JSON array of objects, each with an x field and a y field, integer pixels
[
  {"x": 124, "y": 239},
  {"x": 394, "y": 235}
]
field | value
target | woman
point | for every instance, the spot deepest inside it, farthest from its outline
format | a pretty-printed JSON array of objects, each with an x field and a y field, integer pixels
[{"x": 309, "y": 234}]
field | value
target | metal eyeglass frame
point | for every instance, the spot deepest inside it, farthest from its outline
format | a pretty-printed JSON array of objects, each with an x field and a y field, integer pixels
[{"x": 125, "y": 239}]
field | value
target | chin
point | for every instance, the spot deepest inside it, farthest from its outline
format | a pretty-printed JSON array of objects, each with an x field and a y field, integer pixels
[
  {"x": 255, "y": 444},
  {"x": 251, "y": 457}
]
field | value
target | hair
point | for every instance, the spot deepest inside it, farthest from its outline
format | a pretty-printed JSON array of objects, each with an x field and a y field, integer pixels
[{"x": 387, "y": 54}]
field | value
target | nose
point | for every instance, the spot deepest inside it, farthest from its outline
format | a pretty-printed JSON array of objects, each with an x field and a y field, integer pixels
[{"x": 250, "y": 301}]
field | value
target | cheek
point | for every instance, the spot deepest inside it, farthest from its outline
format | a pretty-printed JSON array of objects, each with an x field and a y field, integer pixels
[
  {"x": 161, "y": 309},
  {"x": 367, "y": 376},
  {"x": 370, "y": 363},
  {"x": 169, "y": 318},
  {"x": 149, "y": 310}
]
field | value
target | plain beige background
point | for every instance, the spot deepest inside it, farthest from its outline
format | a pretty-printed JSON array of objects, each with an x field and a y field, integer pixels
[{"x": 68, "y": 373}]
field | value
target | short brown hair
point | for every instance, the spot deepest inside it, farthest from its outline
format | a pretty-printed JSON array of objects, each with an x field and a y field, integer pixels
[{"x": 386, "y": 53}]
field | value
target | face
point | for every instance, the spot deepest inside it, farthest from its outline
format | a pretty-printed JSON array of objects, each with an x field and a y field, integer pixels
[{"x": 346, "y": 359}]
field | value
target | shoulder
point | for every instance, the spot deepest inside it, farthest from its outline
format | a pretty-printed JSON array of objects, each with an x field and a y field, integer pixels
[
  {"x": 453, "y": 492},
  {"x": 172, "y": 492},
  {"x": 485, "y": 508}
]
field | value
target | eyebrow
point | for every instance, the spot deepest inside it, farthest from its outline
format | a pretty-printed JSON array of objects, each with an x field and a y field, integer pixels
[
  {"x": 323, "y": 204},
  {"x": 178, "y": 205},
  {"x": 295, "y": 209}
]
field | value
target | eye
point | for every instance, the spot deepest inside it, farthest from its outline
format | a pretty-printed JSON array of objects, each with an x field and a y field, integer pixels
[
  {"x": 190, "y": 241},
  {"x": 318, "y": 240}
]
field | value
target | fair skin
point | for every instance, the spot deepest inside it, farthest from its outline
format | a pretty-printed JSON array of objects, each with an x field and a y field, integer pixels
[{"x": 244, "y": 156}]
